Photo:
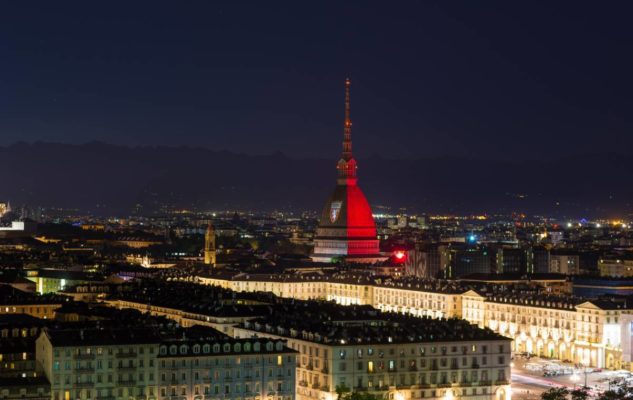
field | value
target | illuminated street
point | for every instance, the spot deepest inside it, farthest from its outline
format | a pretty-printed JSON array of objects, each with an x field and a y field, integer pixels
[{"x": 529, "y": 383}]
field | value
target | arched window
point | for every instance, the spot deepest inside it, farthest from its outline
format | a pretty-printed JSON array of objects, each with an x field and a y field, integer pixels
[
  {"x": 206, "y": 348},
  {"x": 216, "y": 348},
  {"x": 237, "y": 347},
  {"x": 227, "y": 347},
  {"x": 247, "y": 346},
  {"x": 173, "y": 349},
  {"x": 196, "y": 348}
]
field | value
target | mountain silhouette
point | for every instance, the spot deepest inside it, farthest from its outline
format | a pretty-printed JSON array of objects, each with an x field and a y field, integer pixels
[{"x": 107, "y": 178}]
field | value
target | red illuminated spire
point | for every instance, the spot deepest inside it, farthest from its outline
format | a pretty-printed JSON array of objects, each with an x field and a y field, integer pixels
[
  {"x": 347, "y": 132},
  {"x": 347, "y": 165}
]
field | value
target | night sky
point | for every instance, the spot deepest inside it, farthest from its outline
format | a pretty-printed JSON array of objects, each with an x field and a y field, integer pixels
[{"x": 496, "y": 80}]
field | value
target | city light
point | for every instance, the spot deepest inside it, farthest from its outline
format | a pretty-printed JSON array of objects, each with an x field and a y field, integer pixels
[{"x": 399, "y": 256}]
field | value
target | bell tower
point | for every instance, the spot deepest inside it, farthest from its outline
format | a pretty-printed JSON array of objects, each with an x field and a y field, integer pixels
[{"x": 209, "y": 245}]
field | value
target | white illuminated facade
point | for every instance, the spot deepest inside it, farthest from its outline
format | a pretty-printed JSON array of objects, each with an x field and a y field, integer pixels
[
  {"x": 592, "y": 333},
  {"x": 474, "y": 370}
]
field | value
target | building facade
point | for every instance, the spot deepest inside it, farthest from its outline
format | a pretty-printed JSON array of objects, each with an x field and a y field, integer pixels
[
  {"x": 592, "y": 332},
  {"x": 135, "y": 363},
  {"x": 390, "y": 365}
]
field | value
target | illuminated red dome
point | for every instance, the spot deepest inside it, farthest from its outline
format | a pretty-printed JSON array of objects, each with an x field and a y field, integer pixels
[{"x": 347, "y": 229}]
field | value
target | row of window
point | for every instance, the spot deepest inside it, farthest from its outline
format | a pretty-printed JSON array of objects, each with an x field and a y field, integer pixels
[
  {"x": 433, "y": 378},
  {"x": 99, "y": 364},
  {"x": 89, "y": 351},
  {"x": 226, "y": 348},
  {"x": 390, "y": 365},
  {"x": 229, "y": 374},
  {"x": 422, "y": 350}
]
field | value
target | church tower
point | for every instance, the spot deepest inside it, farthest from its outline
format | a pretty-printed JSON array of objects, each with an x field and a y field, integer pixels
[
  {"x": 347, "y": 229},
  {"x": 209, "y": 245}
]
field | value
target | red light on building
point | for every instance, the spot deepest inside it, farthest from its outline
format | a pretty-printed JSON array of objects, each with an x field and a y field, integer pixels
[{"x": 399, "y": 256}]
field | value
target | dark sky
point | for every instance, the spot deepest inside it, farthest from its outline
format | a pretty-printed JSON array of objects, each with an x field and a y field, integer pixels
[{"x": 485, "y": 79}]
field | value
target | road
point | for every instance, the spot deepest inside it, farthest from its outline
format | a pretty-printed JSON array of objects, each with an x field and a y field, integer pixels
[{"x": 528, "y": 384}]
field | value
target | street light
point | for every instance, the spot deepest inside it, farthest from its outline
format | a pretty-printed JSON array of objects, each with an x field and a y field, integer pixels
[
  {"x": 574, "y": 378},
  {"x": 584, "y": 369}
]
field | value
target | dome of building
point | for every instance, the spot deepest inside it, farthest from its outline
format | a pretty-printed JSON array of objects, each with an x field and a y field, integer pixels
[{"x": 347, "y": 229}]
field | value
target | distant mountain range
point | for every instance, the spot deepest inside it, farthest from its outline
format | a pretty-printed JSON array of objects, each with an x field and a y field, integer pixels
[{"x": 113, "y": 179}]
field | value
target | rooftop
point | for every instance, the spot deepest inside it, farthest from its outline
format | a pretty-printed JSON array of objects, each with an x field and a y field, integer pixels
[
  {"x": 12, "y": 296},
  {"x": 75, "y": 337},
  {"x": 329, "y": 323}
]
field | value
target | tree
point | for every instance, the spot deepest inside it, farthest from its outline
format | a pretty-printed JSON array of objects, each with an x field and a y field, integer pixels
[
  {"x": 344, "y": 393},
  {"x": 624, "y": 392},
  {"x": 555, "y": 394},
  {"x": 610, "y": 395},
  {"x": 579, "y": 394}
]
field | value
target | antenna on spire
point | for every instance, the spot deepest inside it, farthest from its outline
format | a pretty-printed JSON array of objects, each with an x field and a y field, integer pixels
[{"x": 347, "y": 132}]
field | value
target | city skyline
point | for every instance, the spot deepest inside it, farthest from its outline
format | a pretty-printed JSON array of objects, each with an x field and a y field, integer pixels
[{"x": 187, "y": 214}]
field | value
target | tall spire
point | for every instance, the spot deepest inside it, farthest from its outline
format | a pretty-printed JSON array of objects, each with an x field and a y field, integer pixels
[
  {"x": 347, "y": 165},
  {"x": 347, "y": 132}
]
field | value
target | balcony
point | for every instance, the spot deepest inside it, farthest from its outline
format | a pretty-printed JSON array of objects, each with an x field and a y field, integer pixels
[
  {"x": 128, "y": 382},
  {"x": 84, "y": 370},
  {"x": 475, "y": 366},
  {"x": 130, "y": 354},
  {"x": 83, "y": 384},
  {"x": 485, "y": 383},
  {"x": 84, "y": 356},
  {"x": 502, "y": 382}
]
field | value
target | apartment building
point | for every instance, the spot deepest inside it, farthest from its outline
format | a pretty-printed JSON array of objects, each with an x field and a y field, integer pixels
[
  {"x": 145, "y": 363},
  {"x": 394, "y": 356},
  {"x": 225, "y": 368},
  {"x": 563, "y": 327}
]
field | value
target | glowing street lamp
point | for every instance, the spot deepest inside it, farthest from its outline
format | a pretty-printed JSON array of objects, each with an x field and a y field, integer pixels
[{"x": 574, "y": 378}]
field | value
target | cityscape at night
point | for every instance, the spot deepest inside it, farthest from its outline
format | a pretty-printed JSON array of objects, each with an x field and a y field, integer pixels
[{"x": 237, "y": 200}]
